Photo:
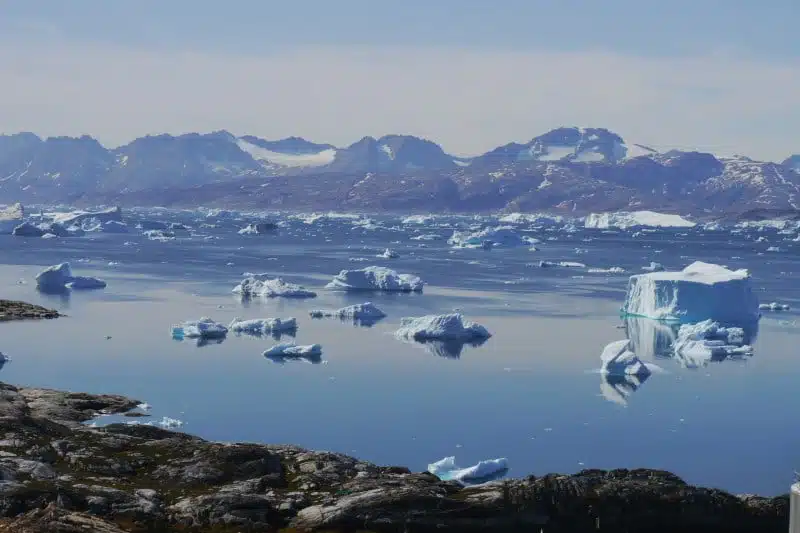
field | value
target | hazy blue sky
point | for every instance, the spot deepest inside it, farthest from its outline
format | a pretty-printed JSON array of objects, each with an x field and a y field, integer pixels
[{"x": 721, "y": 75}]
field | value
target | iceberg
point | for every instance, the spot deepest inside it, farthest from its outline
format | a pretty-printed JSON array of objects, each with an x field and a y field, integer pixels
[
  {"x": 618, "y": 359},
  {"x": 11, "y": 217},
  {"x": 263, "y": 326},
  {"x": 774, "y": 306},
  {"x": 698, "y": 292},
  {"x": 421, "y": 220},
  {"x": 262, "y": 286},
  {"x": 26, "y": 229},
  {"x": 388, "y": 254},
  {"x": 489, "y": 237},
  {"x": 442, "y": 327},
  {"x": 489, "y": 470},
  {"x": 363, "y": 313},
  {"x": 653, "y": 267},
  {"x": 636, "y": 219},
  {"x": 205, "y": 328},
  {"x": 159, "y": 235},
  {"x": 58, "y": 278},
  {"x": 289, "y": 351},
  {"x": 375, "y": 279},
  {"x": 697, "y": 344},
  {"x": 259, "y": 228},
  {"x": 77, "y": 217}
]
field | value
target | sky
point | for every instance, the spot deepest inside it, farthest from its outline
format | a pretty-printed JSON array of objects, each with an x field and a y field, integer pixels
[{"x": 715, "y": 75}]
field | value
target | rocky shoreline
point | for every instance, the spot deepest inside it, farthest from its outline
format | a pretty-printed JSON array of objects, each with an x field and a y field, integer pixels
[
  {"x": 58, "y": 475},
  {"x": 14, "y": 310}
]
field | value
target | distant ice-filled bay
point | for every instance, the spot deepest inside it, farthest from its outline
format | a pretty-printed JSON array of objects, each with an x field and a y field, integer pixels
[{"x": 531, "y": 393}]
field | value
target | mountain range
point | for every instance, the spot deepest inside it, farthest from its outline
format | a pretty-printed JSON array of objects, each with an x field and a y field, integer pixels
[{"x": 567, "y": 169}]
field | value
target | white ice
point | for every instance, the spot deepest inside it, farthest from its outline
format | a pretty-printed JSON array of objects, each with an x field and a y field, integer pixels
[
  {"x": 774, "y": 306},
  {"x": 441, "y": 327},
  {"x": 365, "y": 311},
  {"x": 263, "y": 326},
  {"x": 290, "y": 349},
  {"x": 697, "y": 344},
  {"x": 634, "y": 219},
  {"x": 205, "y": 328},
  {"x": 260, "y": 228},
  {"x": 653, "y": 267},
  {"x": 375, "y": 279},
  {"x": 447, "y": 470},
  {"x": 59, "y": 277},
  {"x": 493, "y": 236},
  {"x": 317, "y": 159},
  {"x": 271, "y": 288},
  {"x": 85, "y": 283},
  {"x": 76, "y": 217},
  {"x": 388, "y": 254},
  {"x": 618, "y": 359},
  {"x": 11, "y": 217},
  {"x": 698, "y": 292}
]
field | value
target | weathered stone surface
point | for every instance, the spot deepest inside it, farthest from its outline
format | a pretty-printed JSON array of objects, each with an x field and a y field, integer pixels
[
  {"x": 14, "y": 310},
  {"x": 58, "y": 476}
]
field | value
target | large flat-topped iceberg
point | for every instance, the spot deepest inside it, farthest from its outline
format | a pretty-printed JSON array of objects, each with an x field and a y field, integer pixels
[
  {"x": 634, "y": 219},
  {"x": 76, "y": 217},
  {"x": 699, "y": 292},
  {"x": 375, "y": 279}
]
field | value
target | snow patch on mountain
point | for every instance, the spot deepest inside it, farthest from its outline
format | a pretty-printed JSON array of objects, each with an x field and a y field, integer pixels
[{"x": 319, "y": 159}]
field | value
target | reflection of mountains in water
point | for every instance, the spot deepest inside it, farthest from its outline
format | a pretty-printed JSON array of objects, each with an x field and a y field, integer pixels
[
  {"x": 652, "y": 339},
  {"x": 448, "y": 349}
]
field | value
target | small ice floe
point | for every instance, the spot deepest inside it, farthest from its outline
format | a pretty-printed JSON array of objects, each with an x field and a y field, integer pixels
[
  {"x": 388, "y": 254},
  {"x": 260, "y": 285},
  {"x": 427, "y": 237},
  {"x": 696, "y": 293},
  {"x": 702, "y": 342},
  {"x": 144, "y": 406},
  {"x": 774, "y": 306},
  {"x": 612, "y": 270},
  {"x": 170, "y": 423},
  {"x": 49, "y": 236},
  {"x": 59, "y": 278},
  {"x": 563, "y": 264},
  {"x": 289, "y": 351},
  {"x": 263, "y": 326},
  {"x": 205, "y": 328},
  {"x": 653, "y": 267},
  {"x": 489, "y": 237},
  {"x": 375, "y": 278},
  {"x": 421, "y": 220},
  {"x": 775, "y": 249},
  {"x": 159, "y": 235},
  {"x": 489, "y": 470},
  {"x": 364, "y": 314},
  {"x": 442, "y": 327},
  {"x": 259, "y": 228}
]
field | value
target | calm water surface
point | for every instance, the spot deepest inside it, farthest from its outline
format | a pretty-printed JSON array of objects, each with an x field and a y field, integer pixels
[{"x": 531, "y": 393}]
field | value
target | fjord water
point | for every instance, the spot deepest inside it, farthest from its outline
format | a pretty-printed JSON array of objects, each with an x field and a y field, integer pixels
[{"x": 531, "y": 393}]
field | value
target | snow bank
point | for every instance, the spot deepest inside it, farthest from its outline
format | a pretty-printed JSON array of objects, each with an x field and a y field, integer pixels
[
  {"x": 263, "y": 326},
  {"x": 205, "y": 328},
  {"x": 442, "y": 327},
  {"x": 494, "y": 236},
  {"x": 271, "y": 288},
  {"x": 447, "y": 470},
  {"x": 635, "y": 219},
  {"x": 10, "y": 218},
  {"x": 368, "y": 312},
  {"x": 375, "y": 279},
  {"x": 698, "y": 292},
  {"x": 59, "y": 277}
]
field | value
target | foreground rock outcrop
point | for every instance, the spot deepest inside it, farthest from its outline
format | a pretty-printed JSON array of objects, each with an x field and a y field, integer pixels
[
  {"x": 60, "y": 476},
  {"x": 13, "y": 310}
]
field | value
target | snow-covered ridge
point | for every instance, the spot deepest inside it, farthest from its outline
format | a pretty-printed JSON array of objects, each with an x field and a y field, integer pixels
[{"x": 291, "y": 160}]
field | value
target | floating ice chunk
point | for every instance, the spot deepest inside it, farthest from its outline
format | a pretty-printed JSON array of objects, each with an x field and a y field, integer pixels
[
  {"x": 421, "y": 220},
  {"x": 388, "y": 254},
  {"x": 705, "y": 341},
  {"x": 271, "y": 288},
  {"x": 427, "y": 237},
  {"x": 618, "y": 359},
  {"x": 367, "y": 312},
  {"x": 488, "y": 237},
  {"x": 259, "y": 228},
  {"x": 10, "y": 218},
  {"x": 144, "y": 406},
  {"x": 205, "y": 328},
  {"x": 170, "y": 423},
  {"x": 77, "y": 217},
  {"x": 653, "y": 267},
  {"x": 774, "y": 306},
  {"x": 698, "y": 292},
  {"x": 774, "y": 249},
  {"x": 85, "y": 283},
  {"x": 263, "y": 326},
  {"x": 159, "y": 235},
  {"x": 612, "y": 270},
  {"x": 375, "y": 279},
  {"x": 447, "y": 470},
  {"x": 49, "y": 236},
  {"x": 565, "y": 264},
  {"x": 289, "y": 351},
  {"x": 441, "y": 327},
  {"x": 26, "y": 229},
  {"x": 635, "y": 219}
]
